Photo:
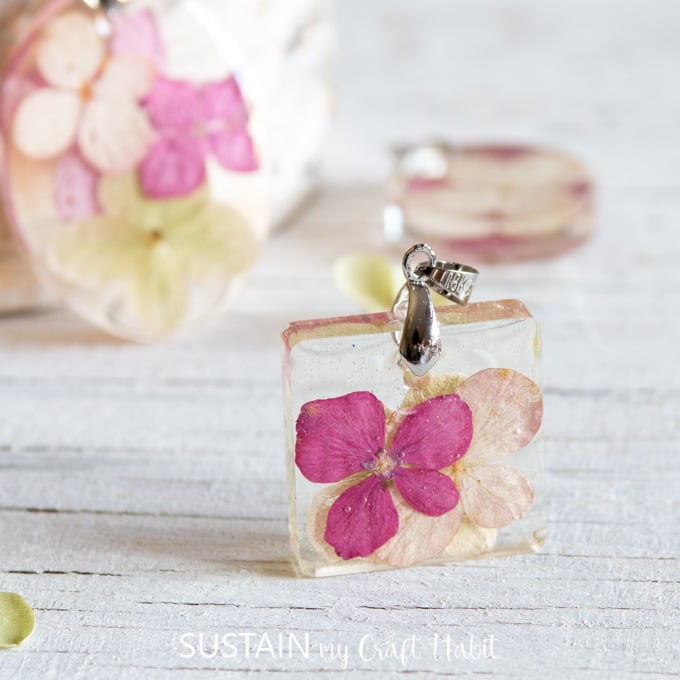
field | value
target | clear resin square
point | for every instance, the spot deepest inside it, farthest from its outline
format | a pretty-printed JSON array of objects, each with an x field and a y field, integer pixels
[{"x": 389, "y": 470}]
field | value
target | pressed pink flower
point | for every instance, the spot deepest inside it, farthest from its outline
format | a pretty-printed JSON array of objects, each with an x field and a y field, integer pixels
[
  {"x": 75, "y": 188},
  {"x": 190, "y": 123},
  {"x": 89, "y": 99},
  {"x": 138, "y": 33},
  {"x": 507, "y": 409},
  {"x": 347, "y": 437}
]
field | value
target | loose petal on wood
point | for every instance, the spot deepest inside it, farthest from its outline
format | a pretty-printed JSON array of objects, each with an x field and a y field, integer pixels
[
  {"x": 367, "y": 279},
  {"x": 16, "y": 620}
]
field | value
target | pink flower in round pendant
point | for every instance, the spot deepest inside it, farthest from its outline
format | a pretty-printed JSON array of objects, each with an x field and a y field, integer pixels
[
  {"x": 347, "y": 437},
  {"x": 192, "y": 122}
]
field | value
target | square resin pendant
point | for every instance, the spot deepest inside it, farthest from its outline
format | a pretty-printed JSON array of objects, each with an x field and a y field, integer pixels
[{"x": 387, "y": 469}]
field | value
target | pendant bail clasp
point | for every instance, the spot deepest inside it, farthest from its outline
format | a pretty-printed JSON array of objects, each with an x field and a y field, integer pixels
[
  {"x": 105, "y": 6},
  {"x": 420, "y": 343}
]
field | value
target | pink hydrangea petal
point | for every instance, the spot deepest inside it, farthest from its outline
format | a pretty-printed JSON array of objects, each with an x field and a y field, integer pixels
[
  {"x": 434, "y": 434},
  {"x": 174, "y": 167},
  {"x": 426, "y": 491},
  {"x": 174, "y": 105},
  {"x": 420, "y": 537},
  {"x": 335, "y": 437},
  {"x": 114, "y": 139},
  {"x": 75, "y": 189},
  {"x": 362, "y": 519},
  {"x": 138, "y": 33},
  {"x": 45, "y": 123},
  {"x": 317, "y": 516},
  {"x": 70, "y": 51},
  {"x": 507, "y": 409},
  {"x": 223, "y": 101},
  {"x": 234, "y": 150},
  {"x": 494, "y": 495}
]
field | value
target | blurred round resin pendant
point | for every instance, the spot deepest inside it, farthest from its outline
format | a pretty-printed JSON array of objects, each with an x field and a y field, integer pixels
[
  {"x": 490, "y": 203},
  {"x": 134, "y": 165},
  {"x": 19, "y": 288}
]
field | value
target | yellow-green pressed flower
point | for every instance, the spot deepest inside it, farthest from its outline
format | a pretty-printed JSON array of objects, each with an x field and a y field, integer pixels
[
  {"x": 372, "y": 281},
  {"x": 157, "y": 252}
]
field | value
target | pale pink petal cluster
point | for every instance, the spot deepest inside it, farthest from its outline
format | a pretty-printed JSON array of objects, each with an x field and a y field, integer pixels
[
  {"x": 507, "y": 410},
  {"x": 89, "y": 99}
]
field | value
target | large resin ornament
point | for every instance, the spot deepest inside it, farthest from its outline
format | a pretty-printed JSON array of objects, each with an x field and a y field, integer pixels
[{"x": 142, "y": 165}]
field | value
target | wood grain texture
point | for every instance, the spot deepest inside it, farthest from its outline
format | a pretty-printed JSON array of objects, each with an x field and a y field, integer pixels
[{"x": 142, "y": 489}]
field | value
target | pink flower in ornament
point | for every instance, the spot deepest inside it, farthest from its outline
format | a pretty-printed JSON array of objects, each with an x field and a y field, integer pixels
[
  {"x": 346, "y": 437},
  {"x": 90, "y": 98},
  {"x": 75, "y": 189},
  {"x": 137, "y": 33},
  {"x": 507, "y": 409},
  {"x": 191, "y": 122}
]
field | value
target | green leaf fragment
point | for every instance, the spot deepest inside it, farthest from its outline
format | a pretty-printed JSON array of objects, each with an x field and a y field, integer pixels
[{"x": 16, "y": 620}]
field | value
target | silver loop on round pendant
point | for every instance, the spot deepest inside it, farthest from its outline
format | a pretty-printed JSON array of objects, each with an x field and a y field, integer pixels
[{"x": 419, "y": 340}]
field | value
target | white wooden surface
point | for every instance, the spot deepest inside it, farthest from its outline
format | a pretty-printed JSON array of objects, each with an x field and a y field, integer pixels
[{"x": 142, "y": 490}]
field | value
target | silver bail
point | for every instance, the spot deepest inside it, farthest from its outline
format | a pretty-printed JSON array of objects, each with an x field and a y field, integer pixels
[
  {"x": 104, "y": 5},
  {"x": 420, "y": 345}
]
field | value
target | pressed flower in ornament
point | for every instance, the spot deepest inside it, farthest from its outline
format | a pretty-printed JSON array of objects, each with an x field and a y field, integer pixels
[
  {"x": 413, "y": 437},
  {"x": 135, "y": 173},
  {"x": 490, "y": 203}
]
